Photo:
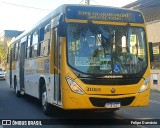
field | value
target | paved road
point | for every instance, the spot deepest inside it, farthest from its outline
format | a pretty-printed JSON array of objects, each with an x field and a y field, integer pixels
[{"x": 27, "y": 107}]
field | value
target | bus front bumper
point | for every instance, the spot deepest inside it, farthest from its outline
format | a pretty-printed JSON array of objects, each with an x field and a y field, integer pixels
[{"x": 84, "y": 101}]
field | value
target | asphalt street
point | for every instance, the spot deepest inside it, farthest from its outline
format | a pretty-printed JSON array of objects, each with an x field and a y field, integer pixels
[{"x": 29, "y": 108}]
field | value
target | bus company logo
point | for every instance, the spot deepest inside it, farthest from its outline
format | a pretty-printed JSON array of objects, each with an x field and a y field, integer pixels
[
  {"x": 113, "y": 90},
  {"x": 6, "y": 122}
]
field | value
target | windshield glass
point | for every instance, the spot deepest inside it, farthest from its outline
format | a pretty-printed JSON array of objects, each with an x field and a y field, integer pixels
[{"x": 103, "y": 49}]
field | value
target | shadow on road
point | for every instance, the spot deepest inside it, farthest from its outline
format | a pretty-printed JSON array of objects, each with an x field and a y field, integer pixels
[
  {"x": 75, "y": 117},
  {"x": 58, "y": 113}
]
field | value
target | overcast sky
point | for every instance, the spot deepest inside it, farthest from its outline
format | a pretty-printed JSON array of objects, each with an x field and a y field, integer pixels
[{"x": 17, "y": 14}]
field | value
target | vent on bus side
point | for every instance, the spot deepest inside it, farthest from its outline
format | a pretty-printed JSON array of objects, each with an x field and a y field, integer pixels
[{"x": 100, "y": 102}]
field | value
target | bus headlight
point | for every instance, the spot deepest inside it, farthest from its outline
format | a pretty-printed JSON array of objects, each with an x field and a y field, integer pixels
[
  {"x": 74, "y": 86},
  {"x": 144, "y": 87}
]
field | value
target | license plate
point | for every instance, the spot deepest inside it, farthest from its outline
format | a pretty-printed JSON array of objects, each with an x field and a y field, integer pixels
[{"x": 113, "y": 105}]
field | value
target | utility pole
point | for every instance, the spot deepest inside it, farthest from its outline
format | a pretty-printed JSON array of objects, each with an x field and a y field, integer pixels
[{"x": 87, "y": 2}]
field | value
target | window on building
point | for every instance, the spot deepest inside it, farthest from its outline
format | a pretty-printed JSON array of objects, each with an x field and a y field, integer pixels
[{"x": 155, "y": 79}]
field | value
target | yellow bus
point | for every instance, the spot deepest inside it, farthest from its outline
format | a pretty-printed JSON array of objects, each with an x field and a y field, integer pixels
[{"x": 83, "y": 57}]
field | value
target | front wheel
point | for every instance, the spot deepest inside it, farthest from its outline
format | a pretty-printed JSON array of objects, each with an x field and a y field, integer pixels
[{"x": 46, "y": 107}]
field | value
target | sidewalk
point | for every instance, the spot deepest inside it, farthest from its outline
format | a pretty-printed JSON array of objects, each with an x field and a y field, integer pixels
[{"x": 155, "y": 91}]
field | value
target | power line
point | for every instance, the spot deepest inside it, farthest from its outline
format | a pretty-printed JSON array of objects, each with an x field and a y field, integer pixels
[{"x": 25, "y": 6}]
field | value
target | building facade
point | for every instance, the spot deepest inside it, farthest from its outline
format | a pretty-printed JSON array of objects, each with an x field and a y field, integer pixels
[{"x": 9, "y": 34}]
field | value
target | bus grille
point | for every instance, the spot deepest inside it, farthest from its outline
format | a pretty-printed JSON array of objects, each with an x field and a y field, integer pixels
[
  {"x": 100, "y": 102},
  {"x": 108, "y": 81}
]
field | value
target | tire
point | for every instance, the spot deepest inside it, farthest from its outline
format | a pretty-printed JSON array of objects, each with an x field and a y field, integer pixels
[
  {"x": 46, "y": 107},
  {"x": 17, "y": 92}
]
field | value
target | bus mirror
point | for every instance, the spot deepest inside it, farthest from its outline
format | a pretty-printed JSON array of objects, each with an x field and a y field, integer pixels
[
  {"x": 151, "y": 52},
  {"x": 61, "y": 27}
]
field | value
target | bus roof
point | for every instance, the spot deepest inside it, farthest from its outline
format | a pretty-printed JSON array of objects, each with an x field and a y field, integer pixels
[{"x": 90, "y": 12}]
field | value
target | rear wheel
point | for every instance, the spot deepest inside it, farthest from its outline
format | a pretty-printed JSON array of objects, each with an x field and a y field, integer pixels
[
  {"x": 17, "y": 92},
  {"x": 46, "y": 107}
]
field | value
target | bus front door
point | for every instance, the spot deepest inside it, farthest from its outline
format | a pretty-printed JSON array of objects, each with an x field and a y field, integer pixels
[
  {"x": 10, "y": 66},
  {"x": 21, "y": 71},
  {"x": 57, "y": 68}
]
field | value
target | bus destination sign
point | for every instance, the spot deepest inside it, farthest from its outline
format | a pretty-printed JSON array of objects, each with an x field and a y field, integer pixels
[{"x": 103, "y": 14}]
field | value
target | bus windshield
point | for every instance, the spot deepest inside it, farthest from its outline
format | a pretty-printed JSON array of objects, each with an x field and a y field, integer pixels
[{"x": 104, "y": 49}]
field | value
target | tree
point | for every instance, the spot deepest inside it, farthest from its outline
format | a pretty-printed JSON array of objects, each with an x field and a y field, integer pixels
[{"x": 3, "y": 52}]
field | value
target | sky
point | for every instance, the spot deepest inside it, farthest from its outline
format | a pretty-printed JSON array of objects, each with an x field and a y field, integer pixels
[{"x": 22, "y": 14}]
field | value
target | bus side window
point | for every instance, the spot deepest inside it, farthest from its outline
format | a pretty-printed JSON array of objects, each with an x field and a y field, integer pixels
[
  {"x": 45, "y": 46},
  {"x": 34, "y": 44},
  {"x": 8, "y": 55},
  {"x": 41, "y": 40},
  {"x": 14, "y": 52},
  {"x": 28, "y": 48}
]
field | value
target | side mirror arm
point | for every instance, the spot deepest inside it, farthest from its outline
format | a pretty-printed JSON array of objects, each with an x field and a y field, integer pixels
[{"x": 151, "y": 52}]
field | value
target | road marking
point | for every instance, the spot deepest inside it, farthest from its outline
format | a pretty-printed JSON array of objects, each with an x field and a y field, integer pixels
[{"x": 154, "y": 101}]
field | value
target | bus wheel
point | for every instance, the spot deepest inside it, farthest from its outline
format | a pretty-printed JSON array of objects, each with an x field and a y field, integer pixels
[
  {"x": 18, "y": 94},
  {"x": 46, "y": 107}
]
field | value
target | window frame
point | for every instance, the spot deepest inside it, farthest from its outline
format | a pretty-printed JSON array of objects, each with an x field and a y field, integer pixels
[{"x": 33, "y": 44}]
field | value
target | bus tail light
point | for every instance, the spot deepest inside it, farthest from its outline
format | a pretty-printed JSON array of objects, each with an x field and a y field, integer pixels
[
  {"x": 144, "y": 86},
  {"x": 74, "y": 86}
]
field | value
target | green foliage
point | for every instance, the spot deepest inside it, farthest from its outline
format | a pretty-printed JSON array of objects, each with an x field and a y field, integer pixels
[{"x": 3, "y": 52}]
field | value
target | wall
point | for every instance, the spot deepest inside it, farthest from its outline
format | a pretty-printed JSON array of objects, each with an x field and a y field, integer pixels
[
  {"x": 153, "y": 30},
  {"x": 155, "y": 80}
]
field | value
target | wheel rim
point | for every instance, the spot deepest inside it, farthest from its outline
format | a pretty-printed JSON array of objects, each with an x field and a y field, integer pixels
[{"x": 44, "y": 100}]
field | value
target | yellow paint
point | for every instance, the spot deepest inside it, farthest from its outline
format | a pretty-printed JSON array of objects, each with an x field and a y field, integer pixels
[
  {"x": 52, "y": 53},
  {"x": 41, "y": 64},
  {"x": 71, "y": 100}
]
